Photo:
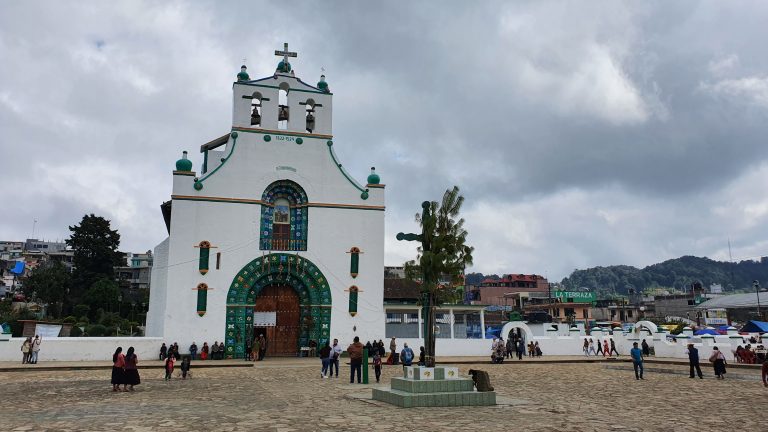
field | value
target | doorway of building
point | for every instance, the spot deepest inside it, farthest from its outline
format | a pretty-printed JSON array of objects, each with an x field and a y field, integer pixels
[{"x": 282, "y": 334}]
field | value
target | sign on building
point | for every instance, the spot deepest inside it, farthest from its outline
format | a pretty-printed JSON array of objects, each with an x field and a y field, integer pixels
[{"x": 575, "y": 296}]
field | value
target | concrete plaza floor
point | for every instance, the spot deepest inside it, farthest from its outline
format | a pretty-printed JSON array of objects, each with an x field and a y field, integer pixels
[{"x": 288, "y": 394}]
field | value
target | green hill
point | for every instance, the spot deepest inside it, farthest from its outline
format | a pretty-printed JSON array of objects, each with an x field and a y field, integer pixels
[{"x": 671, "y": 275}]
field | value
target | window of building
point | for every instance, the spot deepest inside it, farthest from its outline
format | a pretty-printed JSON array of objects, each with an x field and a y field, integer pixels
[
  {"x": 283, "y": 217},
  {"x": 401, "y": 324}
]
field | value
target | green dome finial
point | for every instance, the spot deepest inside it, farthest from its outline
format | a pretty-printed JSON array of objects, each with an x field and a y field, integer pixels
[
  {"x": 322, "y": 85},
  {"x": 373, "y": 178},
  {"x": 283, "y": 67},
  {"x": 184, "y": 164},
  {"x": 243, "y": 75}
]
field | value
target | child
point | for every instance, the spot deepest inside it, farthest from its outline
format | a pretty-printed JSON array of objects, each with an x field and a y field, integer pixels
[
  {"x": 377, "y": 364},
  {"x": 185, "y": 363},
  {"x": 169, "y": 367}
]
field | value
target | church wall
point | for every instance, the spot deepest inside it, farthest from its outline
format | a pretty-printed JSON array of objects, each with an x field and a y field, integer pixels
[
  {"x": 158, "y": 290},
  {"x": 84, "y": 348}
]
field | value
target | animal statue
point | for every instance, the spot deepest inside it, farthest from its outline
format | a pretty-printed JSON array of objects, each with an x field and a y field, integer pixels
[{"x": 481, "y": 380}]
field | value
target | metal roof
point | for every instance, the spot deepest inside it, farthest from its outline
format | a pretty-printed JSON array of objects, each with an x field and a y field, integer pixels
[{"x": 735, "y": 301}]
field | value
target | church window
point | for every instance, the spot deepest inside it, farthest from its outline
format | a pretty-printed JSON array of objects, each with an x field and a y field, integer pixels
[
  {"x": 202, "y": 298},
  {"x": 283, "y": 111},
  {"x": 205, "y": 251},
  {"x": 218, "y": 260},
  {"x": 353, "y": 295},
  {"x": 283, "y": 217},
  {"x": 354, "y": 261}
]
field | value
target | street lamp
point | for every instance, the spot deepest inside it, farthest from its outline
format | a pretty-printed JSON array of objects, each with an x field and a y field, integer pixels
[{"x": 756, "y": 284}]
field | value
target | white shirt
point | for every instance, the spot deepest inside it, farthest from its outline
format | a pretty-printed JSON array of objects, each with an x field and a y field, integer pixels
[{"x": 335, "y": 349}]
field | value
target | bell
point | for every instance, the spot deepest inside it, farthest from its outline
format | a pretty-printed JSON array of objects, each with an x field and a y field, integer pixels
[
  {"x": 255, "y": 118},
  {"x": 283, "y": 113},
  {"x": 310, "y": 122}
]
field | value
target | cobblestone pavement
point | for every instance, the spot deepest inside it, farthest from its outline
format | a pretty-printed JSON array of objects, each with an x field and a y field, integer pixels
[{"x": 285, "y": 395}]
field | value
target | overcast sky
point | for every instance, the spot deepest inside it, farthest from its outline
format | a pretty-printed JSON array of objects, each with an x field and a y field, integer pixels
[{"x": 581, "y": 133}]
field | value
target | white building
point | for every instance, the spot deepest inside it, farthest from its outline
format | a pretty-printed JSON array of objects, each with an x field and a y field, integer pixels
[{"x": 272, "y": 236}]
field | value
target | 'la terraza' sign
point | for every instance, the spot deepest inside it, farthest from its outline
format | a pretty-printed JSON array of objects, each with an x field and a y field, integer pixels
[{"x": 576, "y": 296}]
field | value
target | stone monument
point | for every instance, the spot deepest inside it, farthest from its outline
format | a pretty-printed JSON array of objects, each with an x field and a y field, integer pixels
[{"x": 433, "y": 387}]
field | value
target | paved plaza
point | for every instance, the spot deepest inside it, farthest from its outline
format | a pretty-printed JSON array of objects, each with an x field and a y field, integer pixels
[{"x": 287, "y": 395}]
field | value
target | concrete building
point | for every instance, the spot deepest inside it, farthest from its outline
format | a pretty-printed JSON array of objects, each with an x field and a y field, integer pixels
[{"x": 498, "y": 292}]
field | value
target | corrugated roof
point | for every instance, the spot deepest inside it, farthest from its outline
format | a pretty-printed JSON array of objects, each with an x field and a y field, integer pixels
[{"x": 735, "y": 301}]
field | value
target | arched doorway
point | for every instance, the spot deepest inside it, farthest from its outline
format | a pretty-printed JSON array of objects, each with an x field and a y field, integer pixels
[{"x": 272, "y": 283}]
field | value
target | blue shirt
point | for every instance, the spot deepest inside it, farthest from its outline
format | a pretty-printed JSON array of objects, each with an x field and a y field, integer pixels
[{"x": 637, "y": 355}]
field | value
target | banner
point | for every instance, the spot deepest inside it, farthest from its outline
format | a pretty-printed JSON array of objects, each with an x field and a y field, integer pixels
[
  {"x": 575, "y": 296},
  {"x": 264, "y": 319},
  {"x": 48, "y": 330}
]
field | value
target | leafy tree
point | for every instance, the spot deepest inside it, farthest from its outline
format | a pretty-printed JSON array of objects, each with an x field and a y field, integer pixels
[
  {"x": 442, "y": 257},
  {"x": 103, "y": 294},
  {"x": 95, "y": 245},
  {"x": 50, "y": 285}
]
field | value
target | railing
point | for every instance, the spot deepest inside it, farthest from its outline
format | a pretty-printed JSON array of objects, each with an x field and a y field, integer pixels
[{"x": 283, "y": 244}]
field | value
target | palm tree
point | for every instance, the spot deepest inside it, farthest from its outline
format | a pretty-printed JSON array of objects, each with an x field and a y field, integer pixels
[{"x": 442, "y": 258}]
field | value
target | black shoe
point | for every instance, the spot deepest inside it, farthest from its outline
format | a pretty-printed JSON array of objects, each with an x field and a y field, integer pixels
[{"x": 642, "y": 378}]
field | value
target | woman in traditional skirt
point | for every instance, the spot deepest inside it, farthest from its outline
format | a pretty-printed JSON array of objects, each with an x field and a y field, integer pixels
[
  {"x": 718, "y": 361},
  {"x": 131, "y": 372},
  {"x": 118, "y": 363},
  {"x": 204, "y": 351}
]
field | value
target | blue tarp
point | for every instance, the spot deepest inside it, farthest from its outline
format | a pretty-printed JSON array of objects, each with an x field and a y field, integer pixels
[
  {"x": 492, "y": 332},
  {"x": 755, "y": 327},
  {"x": 706, "y": 332},
  {"x": 18, "y": 268}
]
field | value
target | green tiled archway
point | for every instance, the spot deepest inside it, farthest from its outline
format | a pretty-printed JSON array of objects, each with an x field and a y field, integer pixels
[{"x": 278, "y": 268}]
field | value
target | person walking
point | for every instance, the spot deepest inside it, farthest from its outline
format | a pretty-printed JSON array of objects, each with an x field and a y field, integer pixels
[
  {"x": 592, "y": 347},
  {"x": 169, "y": 367},
  {"x": 262, "y": 346},
  {"x": 131, "y": 371},
  {"x": 393, "y": 350},
  {"x": 585, "y": 347},
  {"x": 510, "y": 351},
  {"x": 325, "y": 359},
  {"x": 718, "y": 362},
  {"x": 637, "y": 361},
  {"x": 599, "y": 348},
  {"x": 26, "y": 349},
  {"x": 193, "y": 351},
  {"x": 764, "y": 373},
  {"x": 520, "y": 348},
  {"x": 382, "y": 349},
  {"x": 118, "y": 363},
  {"x": 693, "y": 360},
  {"x": 186, "y": 364},
  {"x": 355, "y": 351},
  {"x": 334, "y": 359},
  {"x": 35, "y": 349},
  {"x": 606, "y": 349},
  {"x": 377, "y": 365},
  {"x": 613, "y": 348}
]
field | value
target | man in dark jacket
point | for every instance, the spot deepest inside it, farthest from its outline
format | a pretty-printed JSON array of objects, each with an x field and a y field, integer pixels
[
  {"x": 693, "y": 361},
  {"x": 355, "y": 351}
]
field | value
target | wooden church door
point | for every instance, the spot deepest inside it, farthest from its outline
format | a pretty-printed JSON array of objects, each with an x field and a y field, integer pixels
[{"x": 283, "y": 336}]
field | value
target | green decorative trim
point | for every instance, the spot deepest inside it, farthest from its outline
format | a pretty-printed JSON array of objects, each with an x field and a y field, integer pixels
[
  {"x": 278, "y": 269},
  {"x": 280, "y": 132},
  {"x": 202, "y": 299},
  {"x": 267, "y": 138},
  {"x": 364, "y": 195},
  {"x": 278, "y": 88},
  {"x": 205, "y": 162},
  {"x": 199, "y": 182},
  {"x": 299, "y": 141},
  {"x": 344, "y": 172},
  {"x": 353, "y": 296},
  {"x": 298, "y": 218},
  {"x": 259, "y": 202}
]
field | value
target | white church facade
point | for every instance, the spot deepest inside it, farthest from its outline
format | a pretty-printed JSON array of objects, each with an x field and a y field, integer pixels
[{"x": 271, "y": 236}]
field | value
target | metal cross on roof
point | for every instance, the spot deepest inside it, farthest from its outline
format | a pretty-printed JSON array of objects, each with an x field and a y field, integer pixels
[{"x": 285, "y": 53}]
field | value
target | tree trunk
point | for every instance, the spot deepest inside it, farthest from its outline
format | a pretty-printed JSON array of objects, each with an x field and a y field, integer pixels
[{"x": 428, "y": 313}]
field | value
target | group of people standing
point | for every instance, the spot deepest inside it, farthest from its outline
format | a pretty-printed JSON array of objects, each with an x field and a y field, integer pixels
[
  {"x": 124, "y": 370},
  {"x": 255, "y": 350},
  {"x": 515, "y": 346},
  {"x": 215, "y": 352},
  {"x": 607, "y": 348},
  {"x": 330, "y": 353},
  {"x": 30, "y": 350}
]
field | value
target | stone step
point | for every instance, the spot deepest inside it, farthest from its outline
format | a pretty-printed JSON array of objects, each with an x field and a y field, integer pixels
[
  {"x": 409, "y": 400},
  {"x": 432, "y": 386}
]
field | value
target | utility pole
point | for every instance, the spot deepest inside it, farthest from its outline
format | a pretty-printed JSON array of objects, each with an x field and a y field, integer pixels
[{"x": 756, "y": 284}]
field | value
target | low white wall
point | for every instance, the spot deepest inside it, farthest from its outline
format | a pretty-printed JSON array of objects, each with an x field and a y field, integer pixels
[{"x": 83, "y": 348}]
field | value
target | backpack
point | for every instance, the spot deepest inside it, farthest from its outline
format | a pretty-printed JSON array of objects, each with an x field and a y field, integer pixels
[{"x": 407, "y": 355}]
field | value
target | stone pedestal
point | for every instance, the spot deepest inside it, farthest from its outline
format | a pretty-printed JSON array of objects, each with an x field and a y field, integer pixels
[{"x": 439, "y": 386}]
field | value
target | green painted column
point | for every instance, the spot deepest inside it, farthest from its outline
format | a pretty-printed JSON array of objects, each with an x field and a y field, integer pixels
[{"x": 365, "y": 366}]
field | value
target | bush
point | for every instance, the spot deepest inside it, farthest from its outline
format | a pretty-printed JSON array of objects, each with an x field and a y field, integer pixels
[
  {"x": 75, "y": 332},
  {"x": 96, "y": 330},
  {"x": 69, "y": 320},
  {"x": 81, "y": 310},
  {"x": 110, "y": 331}
]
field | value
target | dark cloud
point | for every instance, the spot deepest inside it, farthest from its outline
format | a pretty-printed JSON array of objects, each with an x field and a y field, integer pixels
[{"x": 567, "y": 126}]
